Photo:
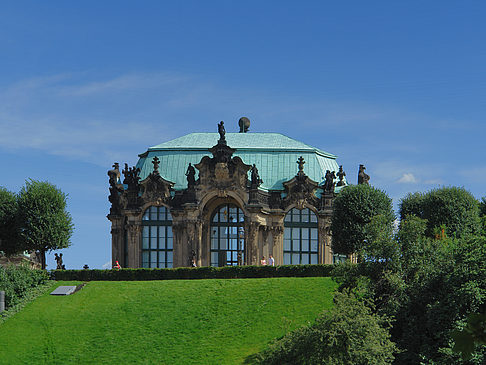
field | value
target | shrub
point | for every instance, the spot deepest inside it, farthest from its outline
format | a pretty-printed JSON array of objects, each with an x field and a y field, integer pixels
[
  {"x": 349, "y": 333},
  {"x": 17, "y": 280},
  {"x": 228, "y": 272}
]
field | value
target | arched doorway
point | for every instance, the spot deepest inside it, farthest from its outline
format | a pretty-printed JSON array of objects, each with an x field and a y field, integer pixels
[
  {"x": 227, "y": 236},
  {"x": 301, "y": 243}
]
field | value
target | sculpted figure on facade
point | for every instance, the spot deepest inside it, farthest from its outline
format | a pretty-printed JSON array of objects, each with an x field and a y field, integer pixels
[
  {"x": 222, "y": 132},
  {"x": 329, "y": 183},
  {"x": 363, "y": 178},
  {"x": 255, "y": 178},
  {"x": 191, "y": 176},
  {"x": 341, "y": 174}
]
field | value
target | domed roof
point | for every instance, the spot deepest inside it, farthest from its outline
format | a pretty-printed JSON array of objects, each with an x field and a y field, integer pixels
[{"x": 274, "y": 154}]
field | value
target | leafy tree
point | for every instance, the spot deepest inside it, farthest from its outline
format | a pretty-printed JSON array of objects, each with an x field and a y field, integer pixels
[
  {"x": 482, "y": 207},
  {"x": 348, "y": 334},
  {"x": 452, "y": 207},
  {"x": 9, "y": 232},
  {"x": 354, "y": 207},
  {"x": 45, "y": 223},
  {"x": 482, "y": 213}
]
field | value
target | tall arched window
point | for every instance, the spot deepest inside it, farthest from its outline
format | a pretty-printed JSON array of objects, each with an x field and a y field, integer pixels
[
  {"x": 227, "y": 236},
  {"x": 300, "y": 237},
  {"x": 157, "y": 239}
]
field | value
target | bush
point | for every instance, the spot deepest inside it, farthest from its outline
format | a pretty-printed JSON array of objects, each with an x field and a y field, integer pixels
[
  {"x": 228, "y": 272},
  {"x": 349, "y": 333},
  {"x": 16, "y": 281}
]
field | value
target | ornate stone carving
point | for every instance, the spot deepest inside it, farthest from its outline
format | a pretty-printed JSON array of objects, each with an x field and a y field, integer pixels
[
  {"x": 300, "y": 189},
  {"x": 222, "y": 171},
  {"x": 363, "y": 178},
  {"x": 329, "y": 183},
  {"x": 156, "y": 163},
  {"x": 116, "y": 189},
  {"x": 222, "y": 132},
  {"x": 341, "y": 174},
  {"x": 255, "y": 178},
  {"x": 114, "y": 174},
  {"x": 191, "y": 176},
  {"x": 155, "y": 188}
]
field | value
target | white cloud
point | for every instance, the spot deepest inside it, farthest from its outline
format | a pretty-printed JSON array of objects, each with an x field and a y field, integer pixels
[
  {"x": 408, "y": 178},
  {"x": 106, "y": 265}
]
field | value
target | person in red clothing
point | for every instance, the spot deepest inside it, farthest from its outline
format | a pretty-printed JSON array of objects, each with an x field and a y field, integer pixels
[{"x": 117, "y": 265}]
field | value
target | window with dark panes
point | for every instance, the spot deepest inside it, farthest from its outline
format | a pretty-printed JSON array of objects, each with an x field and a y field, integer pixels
[
  {"x": 227, "y": 236},
  {"x": 157, "y": 238},
  {"x": 301, "y": 243}
]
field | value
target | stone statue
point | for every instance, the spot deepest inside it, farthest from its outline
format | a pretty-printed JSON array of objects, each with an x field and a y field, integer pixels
[
  {"x": 59, "y": 266},
  {"x": 341, "y": 174},
  {"x": 191, "y": 176},
  {"x": 114, "y": 174},
  {"x": 221, "y": 131},
  {"x": 244, "y": 124},
  {"x": 363, "y": 178},
  {"x": 329, "y": 183},
  {"x": 255, "y": 177}
]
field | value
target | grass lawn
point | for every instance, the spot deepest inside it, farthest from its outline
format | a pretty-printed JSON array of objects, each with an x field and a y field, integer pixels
[{"x": 161, "y": 322}]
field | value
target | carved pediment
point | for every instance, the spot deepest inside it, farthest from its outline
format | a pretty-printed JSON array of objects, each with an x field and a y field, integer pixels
[
  {"x": 155, "y": 188},
  {"x": 300, "y": 189},
  {"x": 222, "y": 170}
]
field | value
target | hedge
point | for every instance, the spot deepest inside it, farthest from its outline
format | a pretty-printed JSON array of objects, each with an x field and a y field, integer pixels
[
  {"x": 16, "y": 281},
  {"x": 228, "y": 272}
]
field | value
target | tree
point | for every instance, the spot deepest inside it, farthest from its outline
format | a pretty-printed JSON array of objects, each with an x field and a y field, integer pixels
[
  {"x": 9, "y": 232},
  {"x": 349, "y": 333},
  {"x": 454, "y": 207},
  {"x": 44, "y": 222},
  {"x": 482, "y": 207},
  {"x": 354, "y": 208},
  {"x": 482, "y": 213}
]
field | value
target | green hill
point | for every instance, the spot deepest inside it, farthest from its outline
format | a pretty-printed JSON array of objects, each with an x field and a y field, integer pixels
[{"x": 161, "y": 322}]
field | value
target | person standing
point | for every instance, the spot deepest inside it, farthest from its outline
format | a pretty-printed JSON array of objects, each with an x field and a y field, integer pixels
[
  {"x": 271, "y": 261},
  {"x": 263, "y": 262}
]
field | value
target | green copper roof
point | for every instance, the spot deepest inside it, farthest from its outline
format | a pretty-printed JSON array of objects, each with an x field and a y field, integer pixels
[{"x": 274, "y": 154}]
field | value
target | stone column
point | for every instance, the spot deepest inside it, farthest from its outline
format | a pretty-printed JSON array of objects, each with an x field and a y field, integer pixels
[
  {"x": 325, "y": 250},
  {"x": 117, "y": 239},
  {"x": 178, "y": 239},
  {"x": 265, "y": 246},
  {"x": 325, "y": 215},
  {"x": 251, "y": 243},
  {"x": 277, "y": 235},
  {"x": 134, "y": 229}
]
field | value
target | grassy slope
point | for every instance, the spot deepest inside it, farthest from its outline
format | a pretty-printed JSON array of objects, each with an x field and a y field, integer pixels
[{"x": 162, "y": 322}]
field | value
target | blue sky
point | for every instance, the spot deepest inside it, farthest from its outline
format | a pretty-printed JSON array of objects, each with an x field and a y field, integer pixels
[{"x": 397, "y": 86}]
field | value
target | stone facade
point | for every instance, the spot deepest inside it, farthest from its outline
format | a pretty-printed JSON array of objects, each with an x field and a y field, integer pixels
[{"x": 222, "y": 179}]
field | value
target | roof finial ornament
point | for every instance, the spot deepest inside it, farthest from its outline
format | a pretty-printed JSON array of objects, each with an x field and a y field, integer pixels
[
  {"x": 244, "y": 124},
  {"x": 301, "y": 163},
  {"x": 156, "y": 163}
]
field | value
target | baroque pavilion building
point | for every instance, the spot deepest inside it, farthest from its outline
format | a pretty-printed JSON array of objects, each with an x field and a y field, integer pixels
[{"x": 217, "y": 199}]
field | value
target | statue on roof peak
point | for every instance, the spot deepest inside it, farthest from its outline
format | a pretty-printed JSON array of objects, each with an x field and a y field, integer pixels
[{"x": 221, "y": 131}]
